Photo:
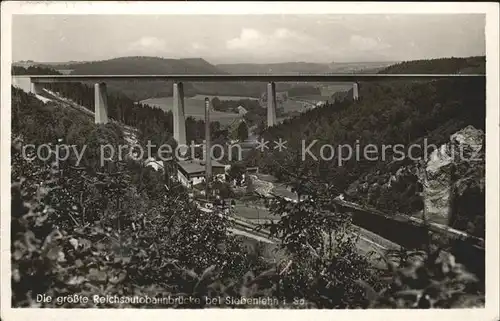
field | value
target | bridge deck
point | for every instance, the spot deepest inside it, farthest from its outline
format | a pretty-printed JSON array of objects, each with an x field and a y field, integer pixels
[{"x": 247, "y": 77}]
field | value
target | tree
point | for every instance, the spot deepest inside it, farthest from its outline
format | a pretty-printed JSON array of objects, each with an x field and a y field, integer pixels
[
  {"x": 242, "y": 131},
  {"x": 236, "y": 173},
  {"x": 250, "y": 185},
  {"x": 118, "y": 221},
  {"x": 223, "y": 189},
  {"x": 216, "y": 103},
  {"x": 391, "y": 113},
  {"x": 321, "y": 249}
]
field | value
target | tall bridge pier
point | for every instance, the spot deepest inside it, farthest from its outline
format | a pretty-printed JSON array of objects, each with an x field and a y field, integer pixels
[
  {"x": 271, "y": 104},
  {"x": 179, "y": 121},
  {"x": 36, "y": 88},
  {"x": 101, "y": 103},
  {"x": 355, "y": 91}
]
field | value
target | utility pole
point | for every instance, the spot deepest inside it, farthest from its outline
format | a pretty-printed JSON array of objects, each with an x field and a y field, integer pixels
[{"x": 208, "y": 157}]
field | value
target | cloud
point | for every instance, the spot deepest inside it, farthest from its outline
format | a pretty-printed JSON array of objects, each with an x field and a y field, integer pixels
[
  {"x": 148, "y": 45},
  {"x": 195, "y": 46},
  {"x": 193, "y": 49},
  {"x": 283, "y": 33},
  {"x": 358, "y": 42},
  {"x": 339, "y": 37},
  {"x": 248, "y": 38},
  {"x": 279, "y": 44},
  {"x": 252, "y": 39}
]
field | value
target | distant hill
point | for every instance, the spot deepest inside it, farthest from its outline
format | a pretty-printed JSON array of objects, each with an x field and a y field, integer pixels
[
  {"x": 469, "y": 65},
  {"x": 142, "y": 66},
  {"x": 360, "y": 67},
  {"x": 45, "y": 64},
  {"x": 304, "y": 67},
  {"x": 154, "y": 65},
  {"x": 140, "y": 90}
]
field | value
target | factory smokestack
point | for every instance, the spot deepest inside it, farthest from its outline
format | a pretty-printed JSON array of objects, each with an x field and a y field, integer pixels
[{"x": 208, "y": 156}]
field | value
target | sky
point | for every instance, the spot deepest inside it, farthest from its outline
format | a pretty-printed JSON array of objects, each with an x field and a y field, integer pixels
[{"x": 248, "y": 38}]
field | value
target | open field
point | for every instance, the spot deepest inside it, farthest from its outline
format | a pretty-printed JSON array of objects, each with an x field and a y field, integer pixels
[
  {"x": 292, "y": 105},
  {"x": 252, "y": 212},
  {"x": 311, "y": 98},
  {"x": 202, "y": 97},
  {"x": 327, "y": 90},
  {"x": 194, "y": 107}
]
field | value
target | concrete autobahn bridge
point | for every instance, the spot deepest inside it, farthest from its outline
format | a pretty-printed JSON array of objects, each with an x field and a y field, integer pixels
[{"x": 35, "y": 84}]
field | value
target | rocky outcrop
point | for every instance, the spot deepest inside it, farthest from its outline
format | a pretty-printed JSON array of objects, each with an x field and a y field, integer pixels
[
  {"x": 453, "y": 174},
  {"x": 262, "y": 187},
  {"x": 448, "y": 187}
]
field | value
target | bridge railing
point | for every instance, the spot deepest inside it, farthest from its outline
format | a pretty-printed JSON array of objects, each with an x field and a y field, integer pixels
[{"x": 285, "y": 77}]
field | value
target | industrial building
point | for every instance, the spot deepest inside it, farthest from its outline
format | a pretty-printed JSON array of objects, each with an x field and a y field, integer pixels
[{"x": 192, "y": 172}]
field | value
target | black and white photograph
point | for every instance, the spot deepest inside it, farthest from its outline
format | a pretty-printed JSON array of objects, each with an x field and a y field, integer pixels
[{"x": 294, "y": 156}]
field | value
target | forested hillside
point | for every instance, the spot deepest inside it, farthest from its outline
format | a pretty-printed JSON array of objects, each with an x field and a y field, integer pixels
[
  {"x": 125, "y": 231},
  {"x": 79, "y": 226},
  {"x": 388, "y": 113},
  {"x": 470, "y": 65},
  {"x": 142, "y": 66}
]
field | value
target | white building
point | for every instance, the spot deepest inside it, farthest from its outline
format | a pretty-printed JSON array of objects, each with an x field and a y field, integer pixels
[
  {"x": 155, "y": 164},
  {"x": 241, "y": 110}
]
